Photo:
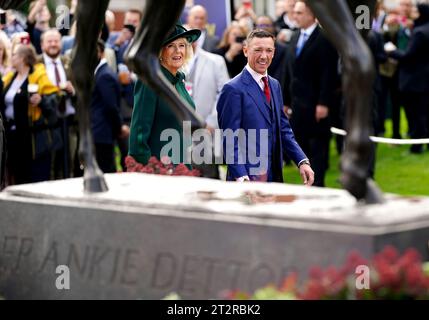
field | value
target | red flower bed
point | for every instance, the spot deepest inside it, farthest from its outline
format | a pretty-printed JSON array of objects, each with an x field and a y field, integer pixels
[
  {"x": 163, "y": 167},
  {"x": 391, "y": 277}
]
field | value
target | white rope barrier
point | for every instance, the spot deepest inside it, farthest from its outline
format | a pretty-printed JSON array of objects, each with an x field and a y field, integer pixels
[{"x": 341, "y": 132}]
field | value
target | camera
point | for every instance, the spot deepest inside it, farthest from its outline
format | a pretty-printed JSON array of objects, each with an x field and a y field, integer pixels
[
  {"x": 3, "y": 17},
  {"x": 240, "y": 39}
]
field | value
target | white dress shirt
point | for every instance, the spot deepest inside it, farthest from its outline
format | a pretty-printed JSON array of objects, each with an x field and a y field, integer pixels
[
  {"x": 257, "y": 77},
  {"x": 308, "y": 32},
  {"x": 50, "y": 69},
  {"x": 10, "y": 97}
]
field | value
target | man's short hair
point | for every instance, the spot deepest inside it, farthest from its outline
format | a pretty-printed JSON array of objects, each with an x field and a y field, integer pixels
[
  {"x": 51, "y": 30},
  {"x": 258, "y": 33}
]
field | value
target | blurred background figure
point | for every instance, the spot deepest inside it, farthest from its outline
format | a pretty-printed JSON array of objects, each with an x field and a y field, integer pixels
[
  {"x": 12, "y": 22},
  {"x": 280, "y": 9},
  {"x": 29, "y": 109},
  {"x": 285, "y": 24},
  {"x": 245, "y": 15},
  {"x": 311, "y": 81},
  {"x": 197, "y": 19},
  {"x": 397, "y": 29},
  {"x": 5, "y": 66},
  {"x": 119, "y": 41},
  {"x": 231, "y": 48},
  {"x": 379, "y": 17},
  {"x": 277, "y": 68},
  {"x": 38, "y": 22},
  {"x": 414, "y": 77},
  {"x": 106, "y": 120},
  {"x": 206, "y": 75}
]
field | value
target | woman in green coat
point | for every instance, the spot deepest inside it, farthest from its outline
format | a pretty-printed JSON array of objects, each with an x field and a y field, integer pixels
[{"x": 151, "y": 114}]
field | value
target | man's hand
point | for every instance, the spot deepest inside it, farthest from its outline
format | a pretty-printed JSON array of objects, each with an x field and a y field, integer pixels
[
  {"x": 243, "y": 179},
  {"x": 307, "y": 174},
  {"x": 210, "y": 129},
  {"x": 288, "y": 111},
  {"x": 125, "y": 132},
  {"x": 322, "y": 112},
  {"x": 69, "y": 88},
  {"x": 234, "y": 50},
  {"x": 124, "y": 36}
]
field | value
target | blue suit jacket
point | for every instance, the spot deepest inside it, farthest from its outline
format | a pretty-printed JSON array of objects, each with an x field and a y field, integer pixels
[
  {"x": 106, "y": 118},
  {"x": 242, "y": 105}
]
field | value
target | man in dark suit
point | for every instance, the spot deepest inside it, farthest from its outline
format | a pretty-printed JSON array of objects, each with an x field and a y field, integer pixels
[
  {"x": 197, "y": 19},
  {"x": 106, "y": 121},
  {"x": 414, "y": 77},
  {"x": 251, "y": 106},
  {"x": 309, "y": 89}
]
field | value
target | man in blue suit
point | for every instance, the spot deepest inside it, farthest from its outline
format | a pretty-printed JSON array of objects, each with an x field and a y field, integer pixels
[
  {"x": 106, "y": 120},
  {"x": 257, "y": 133}
]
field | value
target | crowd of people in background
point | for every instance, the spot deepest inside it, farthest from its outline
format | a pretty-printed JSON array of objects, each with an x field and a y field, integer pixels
[{"x": 38, "y": 101}]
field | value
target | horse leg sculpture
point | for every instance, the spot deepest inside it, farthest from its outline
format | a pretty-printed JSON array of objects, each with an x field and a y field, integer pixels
[
  {"x": 142, "y": 56},
  {"x": 90, "y": 19},
  {"x": 358, "y": 77},
  {"x": 2, "y": 154}
]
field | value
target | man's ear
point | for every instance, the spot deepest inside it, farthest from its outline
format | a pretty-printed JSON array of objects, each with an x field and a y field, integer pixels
[{"x": 245, "y": 50}]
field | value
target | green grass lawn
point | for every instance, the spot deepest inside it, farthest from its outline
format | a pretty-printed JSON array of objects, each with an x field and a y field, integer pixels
[{"x": 397, "y": 171}]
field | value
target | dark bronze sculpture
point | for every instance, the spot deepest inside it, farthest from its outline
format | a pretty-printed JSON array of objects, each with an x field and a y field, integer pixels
[
  {"x": 142, "y": 57},
  {"x": 358, "y": 77}
]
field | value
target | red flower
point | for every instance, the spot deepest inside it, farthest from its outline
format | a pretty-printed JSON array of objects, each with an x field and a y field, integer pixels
[{"x": 164, "y": 167}]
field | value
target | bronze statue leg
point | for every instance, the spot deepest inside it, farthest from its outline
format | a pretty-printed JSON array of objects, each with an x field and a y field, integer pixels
[
  {"x": 11, "y": 4},
  {"x": 2, "y": 154},
  {"x": 358, "y": 77},
  {"x": 142, "y": 56},
  {"x": 90, "y": 19}
]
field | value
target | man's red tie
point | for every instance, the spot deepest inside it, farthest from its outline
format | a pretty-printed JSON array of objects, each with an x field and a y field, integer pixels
[
  {"x": 267, "y": 89},
  {"x": 62, "y": 104}
]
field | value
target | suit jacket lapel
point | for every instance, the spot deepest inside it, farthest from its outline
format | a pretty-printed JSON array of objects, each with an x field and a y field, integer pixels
[
  {"x": 309, "y": 41},
  {"x": 294, "y": 44},
  {"x": 257, "y": 95}
]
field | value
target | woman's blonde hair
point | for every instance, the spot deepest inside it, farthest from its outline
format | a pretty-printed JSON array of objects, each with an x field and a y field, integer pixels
[
  {"x": 224, "y": 42},
  {"x": 5, "y": 59},
  {"x": 28, "y": 54}
]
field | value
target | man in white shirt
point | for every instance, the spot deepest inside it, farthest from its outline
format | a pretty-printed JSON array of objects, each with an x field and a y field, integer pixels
[{"x": 57, "y": 68}]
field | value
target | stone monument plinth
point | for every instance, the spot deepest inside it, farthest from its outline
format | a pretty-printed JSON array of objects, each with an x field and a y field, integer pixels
[{"x": 153, "y": 235}]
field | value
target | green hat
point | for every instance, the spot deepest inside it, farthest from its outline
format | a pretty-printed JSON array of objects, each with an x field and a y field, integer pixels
[{"x": 180, "y": 32}]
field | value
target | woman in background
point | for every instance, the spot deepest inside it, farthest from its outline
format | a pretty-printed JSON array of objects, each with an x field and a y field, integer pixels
[
  {"x": 28, "y": 106},
  {"x": 231, "y": 48}
]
